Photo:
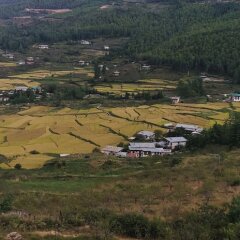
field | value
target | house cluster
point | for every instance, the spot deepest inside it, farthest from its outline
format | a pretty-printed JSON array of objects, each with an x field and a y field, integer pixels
[
  {"x": 144, "y": 143},
  {"x": 8, "y": 55},
  {"x": 27, "y": 61},
  {"x": 43, "y": 46},
  {"x": 6, "y": 95},
  {"x": 83, "y": 63},
  {"x": 233, "y": 97}
]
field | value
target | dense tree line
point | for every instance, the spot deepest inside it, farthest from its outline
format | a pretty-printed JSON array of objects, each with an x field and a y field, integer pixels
[
  {"x": 190, "y": 88},
  {"x": 185, "y": 35},
  {"x": 227, "y": 134}
]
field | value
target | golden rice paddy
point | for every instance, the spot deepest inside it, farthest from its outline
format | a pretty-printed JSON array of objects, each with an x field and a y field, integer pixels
[
  {"x": 53, "y": 130},
  {"x": 11, "y": 83},
  {"x": 139, "y": 86}
]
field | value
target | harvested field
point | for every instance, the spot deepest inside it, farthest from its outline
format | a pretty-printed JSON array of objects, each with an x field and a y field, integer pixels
[
  {"x": 11, "y": 83},
  {"x": 141, "y": 85},
  {"x": 53, "y": 130}
]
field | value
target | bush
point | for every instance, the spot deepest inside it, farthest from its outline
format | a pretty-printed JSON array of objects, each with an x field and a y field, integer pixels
[
  {"x": 34, "y": 152},
  {"x": 6, "y": 204},
  {"x": 234, "y": 210},
  {"x": 131, "y": 225},
  {"x": 18, "y": 166}
]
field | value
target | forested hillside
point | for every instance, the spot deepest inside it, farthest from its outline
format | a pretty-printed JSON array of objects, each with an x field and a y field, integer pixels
[{"x": 202, "y": 36}]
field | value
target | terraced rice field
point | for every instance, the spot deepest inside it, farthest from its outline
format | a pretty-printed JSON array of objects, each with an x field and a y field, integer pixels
[
  {"x": 8, "y": 84},
  {"x": 41, "y": 74},
  {"x": 52, "y": 130},
  {"x": 141, "y": 85}
]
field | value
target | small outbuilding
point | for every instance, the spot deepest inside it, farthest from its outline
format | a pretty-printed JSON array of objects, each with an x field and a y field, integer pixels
[{"x": 175, "y": 142}]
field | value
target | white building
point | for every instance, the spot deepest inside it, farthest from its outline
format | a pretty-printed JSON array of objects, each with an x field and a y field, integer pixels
[
  {"x": 146, "y": 67},
  {"x": 174, "y": 142},
  {"x": 107, "y": 48},
  {"x": 85, "y": 42},
  {"x": 43, "y": 46},
  {"x": 146, "y": 150},
  {"x": 175, "y": 99},
  {"x": 116, "y": 74},
  {"x": 235, "y": 97},
  {"x": 21, "y": 62},
  {"x": 21, "y": 88}
]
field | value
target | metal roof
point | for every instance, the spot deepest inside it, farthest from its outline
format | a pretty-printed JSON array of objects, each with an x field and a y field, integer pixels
[
  {"x": 176, "y": 139},
  {"x": 235, "y": 94},
  {"x": 152, "y": 150},
  {"x": 112, "y": 149},
  {"x": 146, "y": 133},
  {"x": 142, "y": 145}
]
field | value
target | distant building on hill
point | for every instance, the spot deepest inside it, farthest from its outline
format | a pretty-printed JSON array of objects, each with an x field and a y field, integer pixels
[
  {"x": 43, "y": 46},
  {"x": 85, "y": 42},
  {"x": 175, "y": 99},
  {"x": 116, "y": 74},
  {"x": 106, "y": 48},
  {"x": 21, "y": 89},
  {"x": 234, "y": 97},
  {"x": 145, "y": 67}
]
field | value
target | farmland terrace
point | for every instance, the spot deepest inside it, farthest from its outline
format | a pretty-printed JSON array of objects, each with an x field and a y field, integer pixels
[{"x": 51, "y": 130}]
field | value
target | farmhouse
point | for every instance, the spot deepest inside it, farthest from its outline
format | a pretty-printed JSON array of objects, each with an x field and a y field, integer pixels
[
  {"x": 42, "y": 46},
  {"x": 4, "y": 98},
  {"x": 174, "y": 142},
  {"x": 85, "y": 42},
  {"x": 116, "y": 74},
  {"x": 83, "y": 63},
  {"x": 146, "y": 67},
  {"x": 146, "y": 135},
  {"x": 234, "y": 97},
  {"x": 112, "y": 150},
  {"x": 106, "y": 48},
  {"x": 146, "y": 149},
  {"x": 29, "y": 61},
  {"x": 175, "y": 100},
  {"x": 189, "y": 128},
  {"x": 21, "y": 89}
]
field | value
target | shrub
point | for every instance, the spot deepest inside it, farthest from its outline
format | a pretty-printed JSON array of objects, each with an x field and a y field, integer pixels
[
  {"x": 234, "y": 210},
  {"x": 18, "y": 166}
]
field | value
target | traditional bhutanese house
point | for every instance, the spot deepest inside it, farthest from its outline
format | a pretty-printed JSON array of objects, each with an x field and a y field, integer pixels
[
  {"x": 146, "y": 149},
  {"x": 106, "y": 47},
  {"x": 29, "y": 61},
  {"x": 235, "y": 97},
  {"x": 21, "y": 89},
  {"x": 175, "y": 142},
  {"x": 175, "y": 100},
  {"x": 189, "y": 128},
  {"x": 146, "y": 135},
  {"x": 43, "y": 46},
  {"x": 146, "y": 67},
  {"x": 4, "y": 98},
  {"x": 112, "y": 150},
  {"x": 85, "y": 42},
  {"x": 116, "y": 74}
]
